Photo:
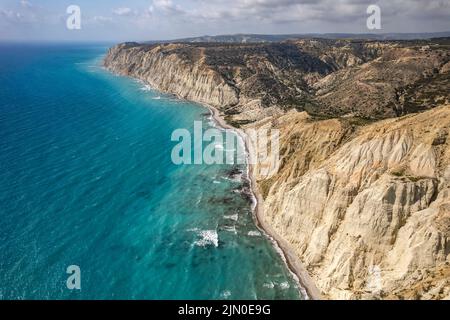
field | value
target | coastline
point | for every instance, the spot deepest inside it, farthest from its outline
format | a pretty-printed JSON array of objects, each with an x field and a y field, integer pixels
[
  {"x": 290, "y": 258},
  {"x": 293, "y": 263}
]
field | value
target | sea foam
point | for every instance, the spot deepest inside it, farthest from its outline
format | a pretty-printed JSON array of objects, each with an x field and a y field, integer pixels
[
  {"x": 208, "y": 238},
  {"x": 234, "y": 217}
]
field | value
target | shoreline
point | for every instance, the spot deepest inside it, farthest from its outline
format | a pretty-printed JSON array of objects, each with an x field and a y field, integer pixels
[{"x": 293, "y": 263}]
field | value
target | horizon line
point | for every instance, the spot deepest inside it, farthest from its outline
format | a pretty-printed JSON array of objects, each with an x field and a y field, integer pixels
[{"x": 226, "y": 35}]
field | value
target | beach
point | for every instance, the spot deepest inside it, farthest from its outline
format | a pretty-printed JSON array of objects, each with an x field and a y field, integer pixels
[{"x": 292, "y": 261}]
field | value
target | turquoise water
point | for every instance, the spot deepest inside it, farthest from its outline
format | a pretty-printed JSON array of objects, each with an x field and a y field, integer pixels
[{"x": 86, "y": 179}]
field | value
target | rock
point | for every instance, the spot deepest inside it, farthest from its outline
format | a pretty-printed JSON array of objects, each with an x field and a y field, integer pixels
[
  {"x": 345, "y": 211},
  {"x": 441, "y": 138}
]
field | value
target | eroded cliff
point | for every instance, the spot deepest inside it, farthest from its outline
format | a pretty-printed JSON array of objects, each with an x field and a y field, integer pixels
[
  {"x": 327, "y": 78},
  {"x": 350, "y": 199},
  {"x": 167, "y": 69},
  {"x": 362, "y": 196}
]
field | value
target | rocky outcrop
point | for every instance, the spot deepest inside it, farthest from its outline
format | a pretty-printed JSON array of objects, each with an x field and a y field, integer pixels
[{"x": 351, "y": 200}]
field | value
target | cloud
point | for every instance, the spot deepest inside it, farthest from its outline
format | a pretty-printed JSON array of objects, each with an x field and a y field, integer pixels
[
  {"x": 13, "y": 17},
  {"x": 101, "y": 19},
  {"x": 168, "y": 6},
  {"x": 23, "y": 13},
  {"x": 10, "y": 15},
  {"x": 166, "y": 19},
  {"x": 124, "y": 12},
  {"x": 139, "y": 17},
  {"x": 300, "y": 11},
  {"x": 26, "y": 4},
  {"x": 163, "y": 4}
]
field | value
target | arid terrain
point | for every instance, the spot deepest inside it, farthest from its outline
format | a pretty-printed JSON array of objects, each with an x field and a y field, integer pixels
[{"x": 364, "y": 179}]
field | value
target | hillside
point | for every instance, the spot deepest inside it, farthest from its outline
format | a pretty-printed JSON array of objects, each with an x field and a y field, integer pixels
[{"x": 326, "y": 78}]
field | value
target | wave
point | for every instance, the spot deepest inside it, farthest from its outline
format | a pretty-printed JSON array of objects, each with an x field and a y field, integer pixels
[
  {"x": 146, "y": 87},
  {"x": 235, "y": 178},
  {"x": 208, "y": 238},
  {"x": 234, "y": 217},
  {"x": 230, "y": 229},
  {"x": 284, "y": 285}
]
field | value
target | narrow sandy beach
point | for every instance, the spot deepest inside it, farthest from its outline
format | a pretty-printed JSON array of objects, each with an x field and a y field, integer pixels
[{"x": 291, "y": 259}]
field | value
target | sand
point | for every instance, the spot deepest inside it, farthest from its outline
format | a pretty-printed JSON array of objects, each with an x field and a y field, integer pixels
[{"x": 291, "y": 259}]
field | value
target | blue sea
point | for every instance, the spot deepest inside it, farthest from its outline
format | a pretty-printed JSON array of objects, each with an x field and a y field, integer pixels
[{"x": 86, "y": 179}]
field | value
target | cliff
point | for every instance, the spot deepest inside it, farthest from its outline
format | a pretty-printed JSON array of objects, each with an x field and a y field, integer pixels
[
  {"x": 349, "y": 199},
  {"x": 246, "y": 82},
  {"x": 169, "y": 70},
  {"x": 327, "y": 78},
  {"x": 363, "y": 191}
]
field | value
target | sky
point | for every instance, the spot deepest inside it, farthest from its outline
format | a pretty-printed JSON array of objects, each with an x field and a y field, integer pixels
[{"x": 140, "y": 20}]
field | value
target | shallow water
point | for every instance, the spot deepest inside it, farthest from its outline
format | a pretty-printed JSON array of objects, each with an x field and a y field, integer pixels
[{"x": 87, "y": 179}]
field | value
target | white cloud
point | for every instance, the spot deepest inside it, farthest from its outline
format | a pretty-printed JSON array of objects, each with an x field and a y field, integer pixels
[
  {"x": 163, "y": 4},
  {"x": 26, "y": 4},
  {"x": 8, "y": 14},
  {"x": 167, "y": 6},
  {"x": 102, "y": 19},
  {"x": 165, "y": 19},
  {"x": 299, "y": 11},
  {"x": 124, "y": 12}
]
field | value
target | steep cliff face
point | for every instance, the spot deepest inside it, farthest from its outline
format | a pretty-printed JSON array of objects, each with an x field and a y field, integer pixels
[
  {"x": 350, "y": 200},
  {"x": 247, "y": 82},
  {"x": 365, "y": 205},
  {"x": 330, "y": 78},
  {"x": 167, "y": 69}
]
